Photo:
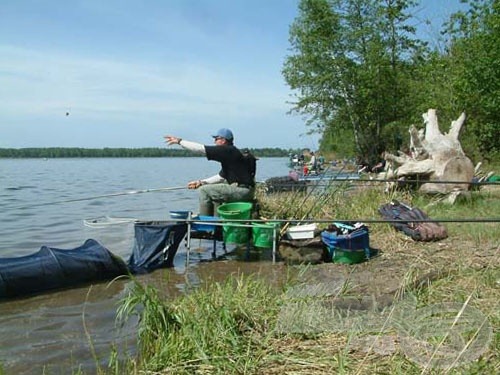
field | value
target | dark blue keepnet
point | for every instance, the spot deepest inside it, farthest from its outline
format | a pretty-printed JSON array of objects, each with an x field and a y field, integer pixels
[
  {"x": 52, "y": 268},
  {"x": 155, "y": 246}
]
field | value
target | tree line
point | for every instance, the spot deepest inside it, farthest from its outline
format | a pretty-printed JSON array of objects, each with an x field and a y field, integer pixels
[
  {"x": 76, "y": 152},
  {"x": 360, "y": 75}
]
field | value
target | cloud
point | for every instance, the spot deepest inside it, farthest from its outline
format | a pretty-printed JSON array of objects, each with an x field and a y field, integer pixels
[
  {"x": 140, "y": 72},
  {"x": 40, "y": 82}
]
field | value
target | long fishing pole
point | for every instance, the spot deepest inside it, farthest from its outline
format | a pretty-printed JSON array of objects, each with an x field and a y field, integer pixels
[
  {"x": 129, "y": 192},
  {"x": 326, "y": 181},
  {"x": 340, "y": 220},
  {"x": 473, "y": 183}
]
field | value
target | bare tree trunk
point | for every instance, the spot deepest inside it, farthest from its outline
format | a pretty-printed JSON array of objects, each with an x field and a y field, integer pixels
[{"x": 435, "y": 157}]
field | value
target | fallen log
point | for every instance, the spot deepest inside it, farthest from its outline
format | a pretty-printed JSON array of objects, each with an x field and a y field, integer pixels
[{"x": 433, "y": 157}]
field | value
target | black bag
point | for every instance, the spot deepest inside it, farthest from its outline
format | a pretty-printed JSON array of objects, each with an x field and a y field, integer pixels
[{"x": 407, "y": 222}]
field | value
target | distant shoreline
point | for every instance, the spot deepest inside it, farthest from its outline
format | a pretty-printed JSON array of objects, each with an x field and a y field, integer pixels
[{"x": 76, "y": 152}]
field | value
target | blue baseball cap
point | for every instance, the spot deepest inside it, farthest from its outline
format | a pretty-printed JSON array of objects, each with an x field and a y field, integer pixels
[{"x": 224, "y": 133}]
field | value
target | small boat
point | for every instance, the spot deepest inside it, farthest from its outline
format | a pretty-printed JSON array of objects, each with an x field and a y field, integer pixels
[{"x": 295, "y": 161}]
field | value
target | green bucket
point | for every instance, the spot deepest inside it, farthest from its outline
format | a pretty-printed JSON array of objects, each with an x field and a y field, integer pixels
[
  {"x": 262, "y": 234},
  {"x": 232, "y": 233},
  {"x": 348, "y": 256}
]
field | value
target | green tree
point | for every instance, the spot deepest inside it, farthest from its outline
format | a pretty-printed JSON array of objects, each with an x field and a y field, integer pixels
[
  {"x": 474, "y": 54},
  {"x": 350, "y": 69}
]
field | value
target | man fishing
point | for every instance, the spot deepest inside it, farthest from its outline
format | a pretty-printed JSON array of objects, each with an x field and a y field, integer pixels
[{"x": 236, "y": 180}]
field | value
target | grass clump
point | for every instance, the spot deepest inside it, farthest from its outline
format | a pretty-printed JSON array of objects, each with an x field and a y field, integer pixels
[{"x": 221, "y": 328}]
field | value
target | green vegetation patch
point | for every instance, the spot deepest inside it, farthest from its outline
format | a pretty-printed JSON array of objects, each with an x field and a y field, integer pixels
[
  {"x": 418, "y": 291},
  {"x": 222, "y": 328}
]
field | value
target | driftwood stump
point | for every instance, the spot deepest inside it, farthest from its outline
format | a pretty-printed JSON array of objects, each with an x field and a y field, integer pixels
[{"x": 434, "y": 158}]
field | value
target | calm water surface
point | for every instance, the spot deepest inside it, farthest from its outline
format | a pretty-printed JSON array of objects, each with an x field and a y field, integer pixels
[{"x": 58, "y": 331}]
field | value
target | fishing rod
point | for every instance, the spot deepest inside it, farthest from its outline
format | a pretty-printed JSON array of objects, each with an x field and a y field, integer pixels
[
  {"x": 424, "y": 181},
  {"x": 332, "y": 220},
  {"x": 129, "y": 192},
  {"x": 322, "y": 181}
]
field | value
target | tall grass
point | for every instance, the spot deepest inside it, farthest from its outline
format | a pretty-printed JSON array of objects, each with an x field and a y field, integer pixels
[
  {"x": 232, "y": 327},
  {"x": 222, "y": 328}
]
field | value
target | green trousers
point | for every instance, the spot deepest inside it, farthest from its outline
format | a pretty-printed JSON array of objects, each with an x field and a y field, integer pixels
[{"x": 213, "y": 195}]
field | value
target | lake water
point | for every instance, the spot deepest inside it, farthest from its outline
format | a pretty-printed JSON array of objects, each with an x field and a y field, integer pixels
[{"x": 43, "y": 202}]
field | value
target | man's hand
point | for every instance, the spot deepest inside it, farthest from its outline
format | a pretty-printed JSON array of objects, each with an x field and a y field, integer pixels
[
  {"x": 171, "y": 140},
  {"x": 194, "y": 184}
]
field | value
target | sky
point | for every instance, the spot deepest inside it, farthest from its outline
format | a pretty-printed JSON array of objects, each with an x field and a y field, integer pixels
[{"x": 124, "y": 73}]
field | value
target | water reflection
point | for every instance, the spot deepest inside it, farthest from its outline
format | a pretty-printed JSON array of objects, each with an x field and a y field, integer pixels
[{"x": 60, "y": 330}]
